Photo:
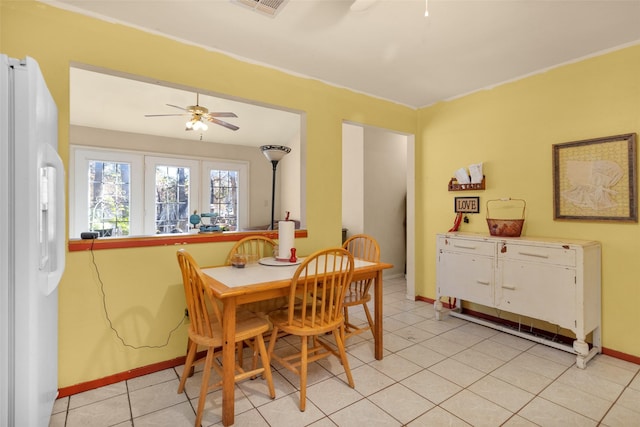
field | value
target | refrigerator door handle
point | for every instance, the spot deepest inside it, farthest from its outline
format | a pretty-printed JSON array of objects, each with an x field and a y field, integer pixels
[{"x": 53, "y": 202}]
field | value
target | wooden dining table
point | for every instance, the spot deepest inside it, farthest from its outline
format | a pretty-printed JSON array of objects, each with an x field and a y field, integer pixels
[{"x": 258, "y": 282}]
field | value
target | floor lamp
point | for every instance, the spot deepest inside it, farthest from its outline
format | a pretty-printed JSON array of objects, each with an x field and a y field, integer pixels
[{"x": 274, "y": 153}]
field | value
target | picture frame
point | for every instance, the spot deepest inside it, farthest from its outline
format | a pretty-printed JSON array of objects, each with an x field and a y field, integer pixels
[
  {"x": 595, "y": 179},
  {"x": 466, "y": 204}
]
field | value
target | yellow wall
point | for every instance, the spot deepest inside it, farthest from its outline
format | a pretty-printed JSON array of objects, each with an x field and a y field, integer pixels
[
  {"x": 511, "y": 129},
  {"x": 143, "y": 289}
]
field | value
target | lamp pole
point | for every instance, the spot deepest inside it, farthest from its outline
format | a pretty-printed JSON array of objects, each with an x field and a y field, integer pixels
[
  {"x": 274, "y": 153},
  {"x": 273, "y": 193}
]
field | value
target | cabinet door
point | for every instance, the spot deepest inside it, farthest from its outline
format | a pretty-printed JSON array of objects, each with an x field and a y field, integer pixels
[
  {"x": 543, "y": 291},
  {"x": 466, "y": 276}
]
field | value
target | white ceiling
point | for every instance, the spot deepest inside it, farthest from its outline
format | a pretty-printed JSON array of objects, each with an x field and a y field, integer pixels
[
  {"x": 390, "y": 49},
  {"x": 106, "y": 101}
]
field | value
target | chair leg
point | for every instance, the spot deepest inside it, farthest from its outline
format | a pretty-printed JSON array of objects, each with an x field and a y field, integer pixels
[
  {"x": 369, "y": 318},
  {"x": 338, "y": 334},
  {"x": 256, "y": 348},
  {"x": 265, "y": 364},
  {"x": 188, "y": 365},
  {"x": 239, "y": 349},
  {"x": 204, "y": 386},
  {"x": 303, "y": 373},
  {"x": 272, "y": 340},
  {"x": 191, "y": 370},
  {"x": 254, "y": 355},
  {"x": 346, "y": 314}
]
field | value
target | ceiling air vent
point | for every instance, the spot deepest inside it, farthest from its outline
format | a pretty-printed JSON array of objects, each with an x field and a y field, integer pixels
[{"x": 265, "y": 7}]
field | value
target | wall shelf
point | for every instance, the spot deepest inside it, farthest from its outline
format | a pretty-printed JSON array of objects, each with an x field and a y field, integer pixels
[{"x": 455, "y": 186}]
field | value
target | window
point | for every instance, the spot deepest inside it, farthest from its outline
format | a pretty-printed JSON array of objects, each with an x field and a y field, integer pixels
[
  {"x": 171, "y": 194},
  {"x": 109, "y": 197},
  {"x": 226, "y": 193},
  {"x": 106, "y": 192},
  {"x": 119, "y": 193},
  {"x": 172, "y": 198}
]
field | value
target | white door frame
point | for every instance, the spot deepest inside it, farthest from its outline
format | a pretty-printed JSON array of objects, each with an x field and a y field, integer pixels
[{"x": 410, "y": 210}]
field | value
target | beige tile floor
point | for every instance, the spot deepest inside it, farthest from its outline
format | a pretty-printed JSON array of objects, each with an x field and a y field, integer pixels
[{"x": 434, "y": 373}]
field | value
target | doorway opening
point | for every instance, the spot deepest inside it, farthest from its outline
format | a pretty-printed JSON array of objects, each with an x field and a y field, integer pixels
[{"x": 378, "y": 193}]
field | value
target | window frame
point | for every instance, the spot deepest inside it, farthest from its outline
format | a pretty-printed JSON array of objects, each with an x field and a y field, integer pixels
[
  {"x": 153, "y": 161},
  {"x": 79, "y": 187},
  {"x": 243, "y": 188},
  {"x": 142, "y": 196}
]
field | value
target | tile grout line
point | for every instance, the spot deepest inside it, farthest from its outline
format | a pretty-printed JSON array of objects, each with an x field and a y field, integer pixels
[{"x": 400, "y": 307}]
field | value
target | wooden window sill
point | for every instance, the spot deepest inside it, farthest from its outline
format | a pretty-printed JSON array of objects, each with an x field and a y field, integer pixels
[{"x": 167, "y": 239}]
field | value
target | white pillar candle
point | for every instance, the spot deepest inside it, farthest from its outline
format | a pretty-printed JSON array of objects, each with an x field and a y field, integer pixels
[{"x": 286, "y": 239}]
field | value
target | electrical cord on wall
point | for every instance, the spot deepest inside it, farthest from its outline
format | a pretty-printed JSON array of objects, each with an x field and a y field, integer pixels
[{"x": 106, "y": 313}]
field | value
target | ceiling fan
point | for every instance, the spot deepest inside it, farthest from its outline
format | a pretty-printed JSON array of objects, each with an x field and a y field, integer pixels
[{"x": 198, "y": 114}]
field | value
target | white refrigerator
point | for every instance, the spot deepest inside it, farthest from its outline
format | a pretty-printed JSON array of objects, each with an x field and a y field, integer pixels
[{"x": 32, "y": 245}]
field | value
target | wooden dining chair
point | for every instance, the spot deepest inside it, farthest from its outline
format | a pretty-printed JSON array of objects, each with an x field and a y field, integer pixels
[
  {"x": 257, "y": 246},
  {"x": 316, "y": 295},
  {"x": 205, "y": 329},
  {"x": 364, "y": 247}
]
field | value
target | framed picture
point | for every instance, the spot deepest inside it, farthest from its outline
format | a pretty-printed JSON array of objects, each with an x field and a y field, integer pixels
[
  {"x": 466, "y": 204},
  {"x": 595, "y": 179}
]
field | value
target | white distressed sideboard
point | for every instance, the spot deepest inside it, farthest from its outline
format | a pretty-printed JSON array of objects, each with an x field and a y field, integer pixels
[{"x": 554, "y": 280}]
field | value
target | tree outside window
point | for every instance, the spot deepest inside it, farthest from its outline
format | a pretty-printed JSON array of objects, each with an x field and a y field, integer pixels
[
  {"x": 122, "y": 193},
  {"x": 109, "y": 192},
  {"x": 172, "y": 199},
  {"x": 223, "y": 197}
]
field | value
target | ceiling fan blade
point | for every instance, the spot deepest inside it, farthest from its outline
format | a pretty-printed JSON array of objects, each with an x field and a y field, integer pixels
[
  {"x": 222, "y": 115},
  {"x": 164, "y": 115},
  {"x": 180, "y": 108},
  {"x": 221, "y": 123}
]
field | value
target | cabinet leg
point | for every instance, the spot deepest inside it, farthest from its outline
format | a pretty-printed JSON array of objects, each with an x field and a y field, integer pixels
[
  {"x": 437, "y": 306},
  {"x": 582, "y": 348}
]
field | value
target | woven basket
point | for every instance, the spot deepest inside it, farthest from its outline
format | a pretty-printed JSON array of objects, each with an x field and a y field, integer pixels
[{"x": 506, "y": 227}]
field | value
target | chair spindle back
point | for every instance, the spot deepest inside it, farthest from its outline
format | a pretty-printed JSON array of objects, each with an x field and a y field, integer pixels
[
  {"x": 318, "y": 288},
  {"x": 200, "y": 301}
]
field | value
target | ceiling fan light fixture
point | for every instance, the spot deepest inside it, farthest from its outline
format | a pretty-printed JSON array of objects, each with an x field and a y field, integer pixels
[
  {"x": 200, "y": 125},
  {"x": 196, "y": 124}
]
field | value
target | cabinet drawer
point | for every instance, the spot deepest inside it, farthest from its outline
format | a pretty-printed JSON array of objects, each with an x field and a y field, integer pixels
[
  {"x": 539, "y": 254},
  {"x": 477, "y": 247}
]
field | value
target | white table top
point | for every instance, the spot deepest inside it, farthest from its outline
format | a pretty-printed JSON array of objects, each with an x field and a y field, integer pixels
[{"x": 253, "y": 274}]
